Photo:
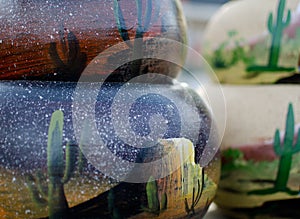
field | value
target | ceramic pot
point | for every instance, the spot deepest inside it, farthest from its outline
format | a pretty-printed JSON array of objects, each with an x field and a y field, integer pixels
[
  {"x": 56, "y": 40},
  {"x": 107, "y": 146},
  {"x": 256, "y": 60},
  {"x": 56, "y": 164}
]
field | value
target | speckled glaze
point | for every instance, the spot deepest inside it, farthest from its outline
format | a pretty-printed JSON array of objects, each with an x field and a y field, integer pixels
[
  {"x": 108, "y": 146},
  {"x": 27, "y": 164},
  {"x": 55, "y": 40}
]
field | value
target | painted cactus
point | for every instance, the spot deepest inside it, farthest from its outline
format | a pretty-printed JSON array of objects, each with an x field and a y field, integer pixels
[
  {"x": 152, "y": 196},
  {"x": 155, "y": 205},
  {"x": 196, "y": 196},
  {"x": 59, "y": 171},
  {"x": 286, "y": 150},
  {"x": 113, "y": 210},
  {"x": 276, "y": 30},
  {"x": 70, "y": 67},
  {"x": 143, "y": 26}
]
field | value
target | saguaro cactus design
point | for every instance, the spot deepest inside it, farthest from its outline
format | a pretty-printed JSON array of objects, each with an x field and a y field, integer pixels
[
  {"x": 143, "y": 26},
  {"x": 71, "y": 68},
  {"x": 59, "y": 171},
  {"x": 276, "y": 30},
  {"x": 286, "y": 150}
]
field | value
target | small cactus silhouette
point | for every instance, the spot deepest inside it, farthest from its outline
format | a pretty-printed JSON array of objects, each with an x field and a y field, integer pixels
[
  {"x": 71, "y": 69},
  {"x": 59, "y": 172},
  {"x": 196, "y": 197},
  {"x": 286, "y": 150}
]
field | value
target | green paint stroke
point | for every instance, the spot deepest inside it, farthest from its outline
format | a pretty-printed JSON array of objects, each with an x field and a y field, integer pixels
[
  {"x": 285, "y": 150},
  {"x": 155, "y": 206},
  {"x": 59, "y": 171},
  {"x": 152, "y": 196},
  {"x": 276, "y": 29}
]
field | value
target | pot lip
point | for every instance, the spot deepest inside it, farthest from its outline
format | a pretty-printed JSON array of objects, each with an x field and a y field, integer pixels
[{"x": 172, "y": 82}]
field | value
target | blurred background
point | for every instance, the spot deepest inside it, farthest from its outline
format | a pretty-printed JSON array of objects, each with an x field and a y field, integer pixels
[{"x": 198, "y": 13}]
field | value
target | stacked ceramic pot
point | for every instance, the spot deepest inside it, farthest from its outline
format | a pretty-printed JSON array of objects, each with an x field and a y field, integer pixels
[
  {"x": 93, "y": 123},
  {"x": 256, "y": 58}
]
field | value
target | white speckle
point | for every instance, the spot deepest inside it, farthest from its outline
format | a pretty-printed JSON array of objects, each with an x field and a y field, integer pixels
[
  {"x": 27, "y": 211},
  {"x": 71, "y": 14},
  {"x": 13, "y": 179},
  {"x": 1, "y": 41}
]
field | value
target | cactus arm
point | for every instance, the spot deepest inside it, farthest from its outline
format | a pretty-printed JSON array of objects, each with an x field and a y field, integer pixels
[
  {"x": 74, "y": 49},
  {"x": 280, "y": 11},
  {"x": 70, "y": 162},
  {"x": 288, "y": 19},
  {"x": 54, "y": 55},
  {"x": 63, "y": 40},
  {"x": 199, "y": 194},
  {"x": 164, "y": 202},
  {"x": 55, "y": 161},
  {"x": 39, "y": 181},
  {"x": 139, "y": 10},
  {"x": 34, "y": 191},
  {"x": 142, "y": 28},
  {"x": 289, "y": 129},
  {"x": 277, "y": 143},
  {"x": 152, "y": 195},
  {"x": 280, "y": 14},
  {"x": 120, "y": 21},
  {"x": 270, "y": 23},
  {"x": 296, "y": 148},
  {"x": 148, "y": 16},
  {"x": 157, "y": 10}
]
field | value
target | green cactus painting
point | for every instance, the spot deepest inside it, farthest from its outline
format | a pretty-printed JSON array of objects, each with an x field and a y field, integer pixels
[
  {"x": 143, "y": 27},
  {"x": 155, "y": 206},
  {"x": 59, "y": 171},
  {"x": 113, "y": 210},
  {"x": 285, "y": 151},
  {"x": 152, "y": 196},
  {"x": 276, "y": 30}
]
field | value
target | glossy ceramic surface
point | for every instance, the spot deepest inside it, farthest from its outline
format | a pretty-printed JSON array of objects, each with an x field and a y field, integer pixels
[
  {"x": 56, "y": 40},
  {"x": 48, "y": 170}
]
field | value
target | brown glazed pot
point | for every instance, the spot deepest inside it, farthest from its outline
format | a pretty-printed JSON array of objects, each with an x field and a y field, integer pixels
[{"x": 56, "y": 40}]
